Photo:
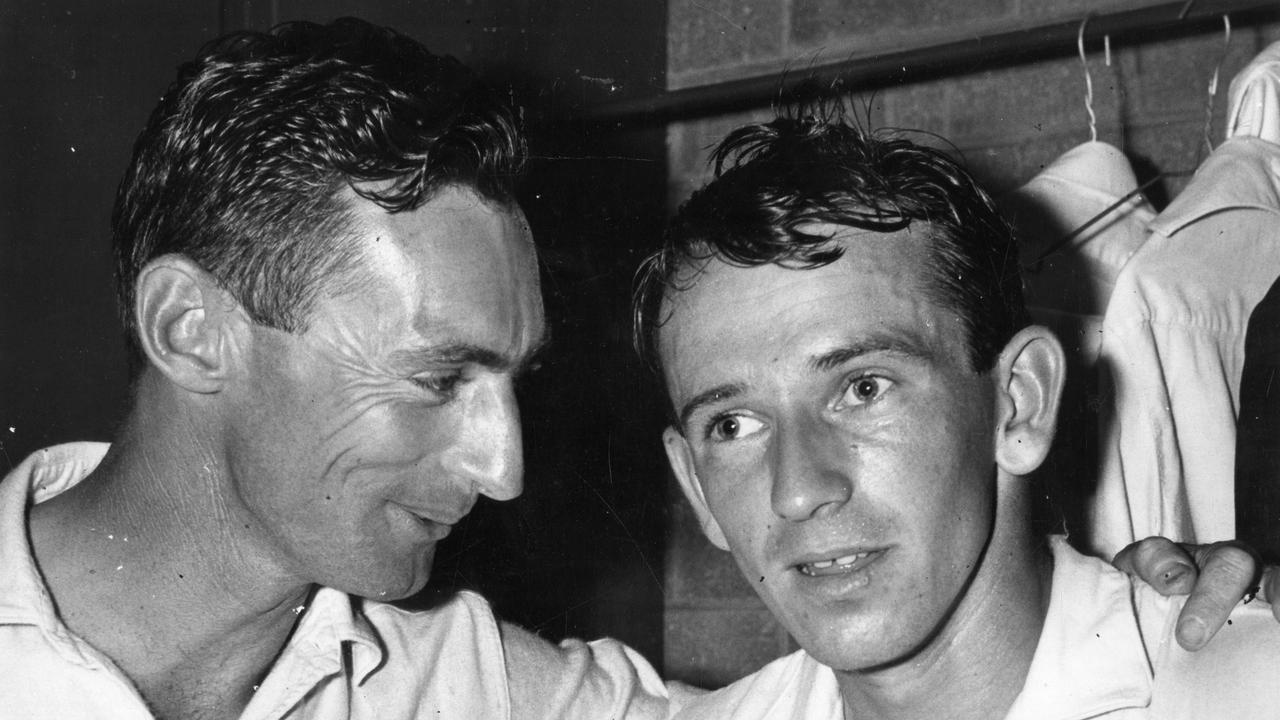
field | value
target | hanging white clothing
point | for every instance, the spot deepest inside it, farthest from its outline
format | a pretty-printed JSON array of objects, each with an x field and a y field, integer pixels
[
  {"x": 1174, "y": 332},
  {"x": 1068, "y": 289},
  {"x": 1173, "y": 343},
  {"x": 1078, "y": 222},
  {"x": 1254, "y": 98}
]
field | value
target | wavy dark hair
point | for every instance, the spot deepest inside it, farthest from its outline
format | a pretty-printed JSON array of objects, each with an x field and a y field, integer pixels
[
  {"x": 242, "y": 163},
  {"x": 774, "y": 181}
]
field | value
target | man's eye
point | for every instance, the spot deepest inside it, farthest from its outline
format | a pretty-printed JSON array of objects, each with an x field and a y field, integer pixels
[
  {"x": 440, "y": 383},
  {"x": 865, "y": 389},
  {"x": 733, "y": 427}
]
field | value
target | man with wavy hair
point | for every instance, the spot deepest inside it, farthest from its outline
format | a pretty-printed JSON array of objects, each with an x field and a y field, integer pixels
[
  {"x": 329, "y": 290},
  {"x": 859, "y": 398}
]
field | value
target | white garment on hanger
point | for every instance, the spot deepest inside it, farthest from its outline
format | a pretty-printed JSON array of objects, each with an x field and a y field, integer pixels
[
  {"x": 1067, "y": 289},
  {"x": 1254, "y": 98},
  {"x": 1173, "y": 336}
]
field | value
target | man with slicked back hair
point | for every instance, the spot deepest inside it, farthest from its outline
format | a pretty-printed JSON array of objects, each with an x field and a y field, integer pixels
[{"x": 329, "y": 290}]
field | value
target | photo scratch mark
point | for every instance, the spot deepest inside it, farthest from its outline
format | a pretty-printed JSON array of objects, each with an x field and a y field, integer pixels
[
  {"x": 720, "y": 15},
  {"x": 600, "y": 81}
]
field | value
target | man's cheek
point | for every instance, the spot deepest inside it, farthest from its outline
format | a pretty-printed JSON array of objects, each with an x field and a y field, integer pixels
[{"x": 404, "y": 432}]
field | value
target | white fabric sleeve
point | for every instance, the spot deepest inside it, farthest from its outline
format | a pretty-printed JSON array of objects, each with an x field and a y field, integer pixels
[{"x": 598, "y": 680}]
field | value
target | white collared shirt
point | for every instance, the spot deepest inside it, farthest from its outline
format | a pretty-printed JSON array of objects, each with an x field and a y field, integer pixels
[
  {"x": 348, "y": 657},
  {"x": 1107, "y": 650},
  {"x": 1174, "y": 335}
]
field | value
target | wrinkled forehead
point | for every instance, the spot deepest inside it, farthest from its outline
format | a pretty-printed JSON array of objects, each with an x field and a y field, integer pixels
[
  {"x": 454, "y": 227},
  {"x": 458, "y": 259}
]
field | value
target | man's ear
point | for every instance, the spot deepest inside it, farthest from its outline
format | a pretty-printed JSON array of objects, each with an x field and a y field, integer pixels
[
  {"x": 1030, "y": 373},
  {"x": 681, "y": 459},
  {"x": 189, "y": 327}
]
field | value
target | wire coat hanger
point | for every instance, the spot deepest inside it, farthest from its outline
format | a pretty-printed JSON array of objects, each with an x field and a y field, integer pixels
[
  {"x": 1088, "y": 82},
  {"x": 1213, "y": 84},
  {"x": 1057, "y": 246}
]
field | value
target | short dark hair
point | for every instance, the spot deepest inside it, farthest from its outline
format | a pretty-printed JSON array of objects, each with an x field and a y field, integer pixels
[
  {"x": 772, "y": 181},
  {"x": 241, "y": 163}
]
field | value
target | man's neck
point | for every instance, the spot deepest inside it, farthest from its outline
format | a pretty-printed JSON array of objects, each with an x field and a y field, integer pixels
[
  {"x": 978, "y": 662},
  {"x": 142, "y": 563}
]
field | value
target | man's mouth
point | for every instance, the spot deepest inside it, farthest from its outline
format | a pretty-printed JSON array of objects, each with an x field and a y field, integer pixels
[
  {"x": 438, "y": 529},
  {"x": 838, "y": 565}
]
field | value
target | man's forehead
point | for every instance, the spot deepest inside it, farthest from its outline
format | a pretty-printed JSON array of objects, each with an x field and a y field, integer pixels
[
  {"x": 901, "y": 254},
  {"x": 721, "y": 314},
  {"x": 456, "y": 230},
  {"x": 452, "y": 206},
  {"x": 458, "y": 272}
]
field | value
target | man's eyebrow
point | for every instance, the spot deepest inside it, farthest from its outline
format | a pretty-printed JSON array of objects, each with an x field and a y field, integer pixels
[
  {"x": 451, "y": 354},
  {"x": 460, "y": 353},
  {"x": 906, "y": 345},
  {"x": 706, "y": 397}
]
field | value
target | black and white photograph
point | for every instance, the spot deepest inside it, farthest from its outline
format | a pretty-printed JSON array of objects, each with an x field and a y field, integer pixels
[{"x": 639, "y": 359}]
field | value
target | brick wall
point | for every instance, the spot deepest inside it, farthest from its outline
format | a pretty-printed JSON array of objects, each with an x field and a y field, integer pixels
[{"x": 1007, "y": 124}]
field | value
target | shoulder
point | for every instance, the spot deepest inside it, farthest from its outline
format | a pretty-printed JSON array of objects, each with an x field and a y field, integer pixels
[
  {"x": 464, "y": 619},
  {"x": 576, "y": 679},
  {"x": 565, "y": 681},
  {"x": 445, "y": 659},
  {"x": 1232, "y": 676},
  {"x": 794, "y": 686}
]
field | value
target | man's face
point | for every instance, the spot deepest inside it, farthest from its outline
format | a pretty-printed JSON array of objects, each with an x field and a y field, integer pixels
[
  {"x": 358, "y": 443},
  {"x": 841, "y": 442}
]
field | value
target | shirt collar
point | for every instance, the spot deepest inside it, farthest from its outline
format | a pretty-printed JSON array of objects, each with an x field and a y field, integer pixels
[
  {"x": 330, "y": 623},
  {"x": 1090, "y": 659},
  {"x": 23, "y": 595},
  {"x": 1241, "y": 173},
  {"x": 330, "y": 633}
]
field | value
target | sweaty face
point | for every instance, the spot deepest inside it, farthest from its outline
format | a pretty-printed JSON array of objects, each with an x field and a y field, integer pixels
[
  {"x": 841, "y": 443},
  {"x": 357, "y": 444}
]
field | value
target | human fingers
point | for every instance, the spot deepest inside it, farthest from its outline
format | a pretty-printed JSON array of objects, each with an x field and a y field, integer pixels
[
  {"x": 1160, "y": 563},
  {"x": 1228, "y": 570}
]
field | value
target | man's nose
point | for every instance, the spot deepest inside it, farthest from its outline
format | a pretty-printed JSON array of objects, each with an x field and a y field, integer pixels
[
  {"x": 811, "y": 471},
  {"x": 488, "y": 451}
]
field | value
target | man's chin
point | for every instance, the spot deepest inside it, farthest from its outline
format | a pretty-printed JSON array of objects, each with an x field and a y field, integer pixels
[
  {"x": 388, "y": 592},
  {"x": 857, "y": 643},
  {"x": 870, "y": 650},
  {"x": 391, "y": 585}
]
